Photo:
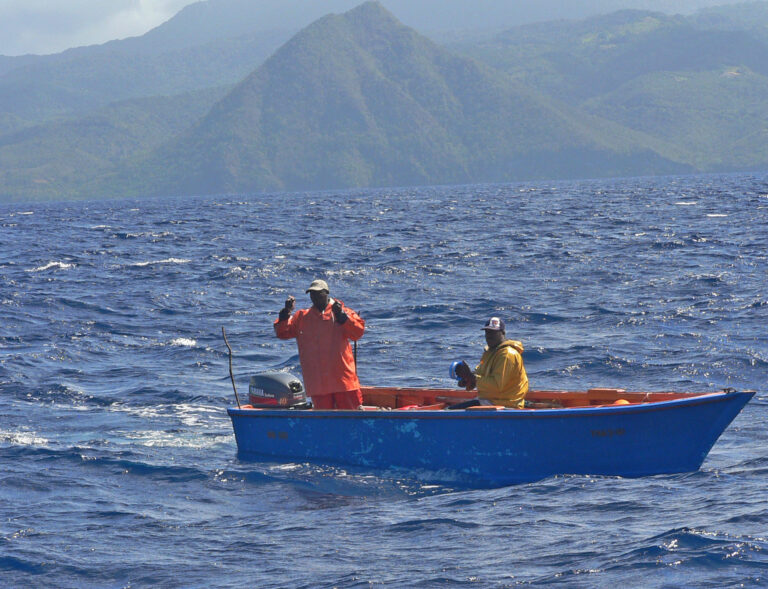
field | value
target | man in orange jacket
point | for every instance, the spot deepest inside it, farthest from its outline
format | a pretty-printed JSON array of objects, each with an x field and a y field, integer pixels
[{"x": 322, "y": 335}]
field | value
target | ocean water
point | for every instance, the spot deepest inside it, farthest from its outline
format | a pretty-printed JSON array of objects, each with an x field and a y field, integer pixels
[{"x": 118, "y": 466}]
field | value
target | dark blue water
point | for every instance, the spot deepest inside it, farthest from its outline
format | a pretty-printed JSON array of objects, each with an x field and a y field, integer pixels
[{"x": 117, "y": 461}]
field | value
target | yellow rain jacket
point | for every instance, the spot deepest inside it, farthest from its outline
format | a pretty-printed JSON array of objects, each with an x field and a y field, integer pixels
[{"x": 501, "y": 377}]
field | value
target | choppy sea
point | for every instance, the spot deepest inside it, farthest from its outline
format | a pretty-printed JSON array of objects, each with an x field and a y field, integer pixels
[{"x": 118, "y": 467}]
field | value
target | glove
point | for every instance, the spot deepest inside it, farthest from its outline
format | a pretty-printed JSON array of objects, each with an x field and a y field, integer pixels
[
  {"x": 286, "y": 311},
  {"x": 338, "y": 312},
  {"x": 462, "y": 371}
]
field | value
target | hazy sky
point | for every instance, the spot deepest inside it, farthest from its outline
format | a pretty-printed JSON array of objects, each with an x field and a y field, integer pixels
[{"x": 50, "y": 26}]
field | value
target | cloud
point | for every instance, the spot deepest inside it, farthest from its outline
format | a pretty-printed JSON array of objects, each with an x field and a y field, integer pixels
[{"x": 42, "y": 26}]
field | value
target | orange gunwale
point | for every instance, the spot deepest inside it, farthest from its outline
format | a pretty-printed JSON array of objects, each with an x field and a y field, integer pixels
[{"x": 402, "y": 397}]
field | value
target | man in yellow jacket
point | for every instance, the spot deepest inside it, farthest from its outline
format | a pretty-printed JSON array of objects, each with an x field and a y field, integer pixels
[{"x": 500, "y": 377}]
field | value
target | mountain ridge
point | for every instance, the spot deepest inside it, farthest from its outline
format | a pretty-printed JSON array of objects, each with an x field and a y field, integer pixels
[
  {"x": 359, "y": 99},
  {"x": 401, "y": 111}
]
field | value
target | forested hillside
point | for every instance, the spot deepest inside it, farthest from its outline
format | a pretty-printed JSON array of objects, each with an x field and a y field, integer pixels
[{"x": 359, "y": 99}]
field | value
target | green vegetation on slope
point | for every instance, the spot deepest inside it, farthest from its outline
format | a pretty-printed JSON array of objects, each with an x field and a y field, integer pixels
[{"x": 358, "y": 99}]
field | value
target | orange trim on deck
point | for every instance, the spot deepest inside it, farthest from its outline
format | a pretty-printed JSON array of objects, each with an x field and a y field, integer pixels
[{"x": 400, "y": 397}]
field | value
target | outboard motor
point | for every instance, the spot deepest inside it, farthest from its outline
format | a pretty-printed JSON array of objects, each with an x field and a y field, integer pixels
[{"x": 277, "y": 390}]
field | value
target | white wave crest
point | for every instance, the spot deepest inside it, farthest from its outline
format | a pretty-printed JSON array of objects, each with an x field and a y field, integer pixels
[
  {"x": 184, "y": 342},
  {"x": 22, "y": 438},
  {"x": 165, "y": 261},
  {"x": 161, "y": 439},
  {"x": 199, "y": 416},
  {"x": 49, "y": 265}
]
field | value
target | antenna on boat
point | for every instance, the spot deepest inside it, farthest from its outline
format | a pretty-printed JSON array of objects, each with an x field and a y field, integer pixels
[{"x": 231, "y": 376}]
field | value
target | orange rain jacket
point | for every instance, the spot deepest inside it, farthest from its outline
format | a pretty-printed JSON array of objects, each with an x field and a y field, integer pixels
[
  {"x": 327, "y": 362},
  {"x": 501, "y": 376}
]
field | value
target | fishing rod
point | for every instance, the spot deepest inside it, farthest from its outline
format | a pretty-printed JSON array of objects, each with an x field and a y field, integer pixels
[{"x": 231, "y": 376}]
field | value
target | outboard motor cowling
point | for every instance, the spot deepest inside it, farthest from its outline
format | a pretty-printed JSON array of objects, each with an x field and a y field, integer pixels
[{"x": 277, "y": 390}]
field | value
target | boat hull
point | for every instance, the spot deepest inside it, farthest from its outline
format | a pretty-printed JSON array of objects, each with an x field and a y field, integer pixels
[{"x": 500, "y": 447}]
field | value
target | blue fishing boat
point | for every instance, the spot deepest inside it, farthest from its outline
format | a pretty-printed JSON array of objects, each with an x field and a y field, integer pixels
[{"x": 601, "y": 431}]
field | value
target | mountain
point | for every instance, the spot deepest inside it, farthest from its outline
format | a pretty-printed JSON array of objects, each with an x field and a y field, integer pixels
[
  {"x": 716, "y": 117},
  {"x": 79, "y": 81},
  {"x": 702, "y": 90},
  {"x": 211, "y": 20},
  {"x": 53, "y": 159},
  {"x": 218, "y": 42},
  {"x": 206, "y": 21},
  {"x": 359, "y": 99},
  {"x": 582, "y": 59},
  {"x": 750, "y": 16}
]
